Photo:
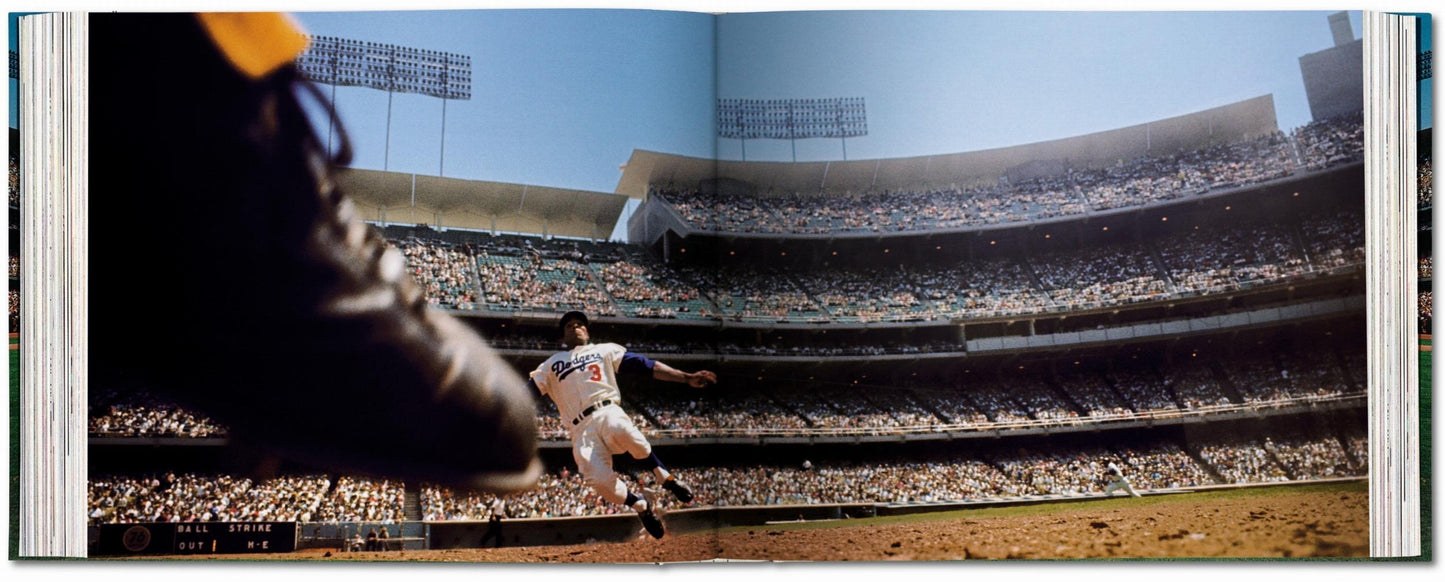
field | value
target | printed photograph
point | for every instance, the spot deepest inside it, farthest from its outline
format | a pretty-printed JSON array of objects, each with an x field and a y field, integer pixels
[{"x": 647, "y": 286}]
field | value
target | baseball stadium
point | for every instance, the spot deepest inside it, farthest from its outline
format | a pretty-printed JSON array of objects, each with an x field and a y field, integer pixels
[{"x": 935, "y": 357}]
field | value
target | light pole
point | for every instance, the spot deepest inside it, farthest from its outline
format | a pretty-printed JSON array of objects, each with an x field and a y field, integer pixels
[
  {"x": 792, "y": 119},
  {"x": 387, "y": 67}
]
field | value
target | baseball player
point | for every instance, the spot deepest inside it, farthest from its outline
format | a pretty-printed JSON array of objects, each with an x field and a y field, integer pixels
[
  {"x": 1116, "y": 480},
  {"x": 583, "y": 383}
]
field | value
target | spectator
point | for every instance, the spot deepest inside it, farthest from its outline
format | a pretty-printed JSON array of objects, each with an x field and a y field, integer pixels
[{"x": 1072, "y": 191}]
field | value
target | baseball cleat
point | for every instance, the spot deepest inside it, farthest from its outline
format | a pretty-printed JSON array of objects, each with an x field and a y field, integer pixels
[
  {"x": 256, "y": 295},
  {"x": 678, "y": 490},
  {"x": 651, "y": 523}
]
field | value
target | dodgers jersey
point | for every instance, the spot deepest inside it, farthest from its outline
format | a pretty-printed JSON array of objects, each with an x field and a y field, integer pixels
[{"x": 584, "y": 376}]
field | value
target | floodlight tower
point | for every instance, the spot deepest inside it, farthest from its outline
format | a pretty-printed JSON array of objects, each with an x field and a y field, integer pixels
[
  {"x": 790, "y": 119},
  {"x": 391, "y": 68}
]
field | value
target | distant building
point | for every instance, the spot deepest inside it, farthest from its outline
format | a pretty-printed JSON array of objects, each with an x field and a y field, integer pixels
[{"x": 1334, "y": 77}]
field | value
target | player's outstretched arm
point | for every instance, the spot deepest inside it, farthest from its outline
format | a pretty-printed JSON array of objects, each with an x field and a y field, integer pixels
[{"x": 668, "y": 373}]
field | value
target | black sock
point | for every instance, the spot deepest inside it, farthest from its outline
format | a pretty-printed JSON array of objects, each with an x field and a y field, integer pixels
[{"x": 631, "y": 499}]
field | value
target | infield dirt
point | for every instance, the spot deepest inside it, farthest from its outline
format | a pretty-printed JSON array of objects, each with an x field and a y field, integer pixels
[{"x": 1292, "y": 522}]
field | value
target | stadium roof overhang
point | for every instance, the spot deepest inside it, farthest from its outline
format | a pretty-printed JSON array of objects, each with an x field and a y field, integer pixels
[
  {"x": 1236, "y": 121},
  {"x": 492, "y": 206}
]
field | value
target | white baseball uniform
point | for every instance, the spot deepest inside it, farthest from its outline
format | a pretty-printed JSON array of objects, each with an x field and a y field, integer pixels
[
  {"x": 583, "y": 383},
  {"x": 1117, "y": 482}
]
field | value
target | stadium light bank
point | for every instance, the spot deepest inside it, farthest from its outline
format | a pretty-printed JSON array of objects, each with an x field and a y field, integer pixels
[{"x": 387, "y": 67}]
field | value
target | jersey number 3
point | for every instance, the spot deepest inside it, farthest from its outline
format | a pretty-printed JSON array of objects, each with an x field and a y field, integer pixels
[{"x": 596, "y": 372}]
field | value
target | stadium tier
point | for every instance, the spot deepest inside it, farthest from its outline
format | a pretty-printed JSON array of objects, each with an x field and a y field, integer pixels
[
  {"x": 1426, "y": 180},
  {"x": 1427, "y": 303},
  {"x": 1289, "y": 372},
  {"x": 1297, "y": 452},
  {"x": 1077, "y": 191},
  {"x": 869, "y": 357},
  {"x": 196, "y": 497},
  {"x": 514, "y": 273}
]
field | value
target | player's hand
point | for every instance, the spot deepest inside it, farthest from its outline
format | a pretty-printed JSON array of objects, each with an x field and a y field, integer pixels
[{"x": 701, "y": 379}]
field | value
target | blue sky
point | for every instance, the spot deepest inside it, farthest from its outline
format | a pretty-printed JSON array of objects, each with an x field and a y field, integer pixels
[
  {"x": 962, "y": 81},
  {"x": 561, "y": 98}
]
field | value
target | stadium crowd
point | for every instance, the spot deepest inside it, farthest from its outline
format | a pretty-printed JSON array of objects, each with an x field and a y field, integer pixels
[
  {"x": 1427, "y": 303},
  {"x": 1426, "y": 184},
  {"x": 645, "y": 288},
  {"x": 1334, "y": 240},
  {"x": 1139, "y": 389},
  {"x": 531, "y": 283},
  {"x": 1074, "y": 190},
  {"x": 1089, "y": 278},
  {"x": 1305, "y": 458},
  {"x": 1222, "y": 259},
  {"x": 14, "y": 183},
  {"x": 1285, "y": 374},
  {"x": 1075, "y": 395},
  {"x": 1333, "y": 141},
  {"x": 360, "y": 499},
  {"x": 1195, "y": 385},
  {"x": 191, "y": 497},
  {"x": 543, "y": 277},
  {"x": 1289, "y": 454},
  {"x": 195, "y": 497},
  {"x": 749, "y": 293},
  {"x": 988, "y": 288},
  {"x": 1242, "y": 461},
  {"x": 779, "y": 349},
  {"x": 1020, "y": 472},
  {"x": 135, "y": 414},
  {"x": 1273, "y": 376},
  {"x": 1094, "y": 396},
  {"x": 447, "y": 274}
]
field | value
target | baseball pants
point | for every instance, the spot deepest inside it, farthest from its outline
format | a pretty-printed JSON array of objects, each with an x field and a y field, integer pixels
[{"x": 605, "y": 433}]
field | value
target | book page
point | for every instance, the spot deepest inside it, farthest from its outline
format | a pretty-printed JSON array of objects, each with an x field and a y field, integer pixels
[
  {"x": 1425, "y": 221},
  {"x": 361, "y": 232},
  {"x": 1053, "y": 258},
  {"x": 909, "y": 286}
]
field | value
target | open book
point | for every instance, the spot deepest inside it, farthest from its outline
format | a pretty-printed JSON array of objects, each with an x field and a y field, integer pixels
[{"x": 872, "y": 285}]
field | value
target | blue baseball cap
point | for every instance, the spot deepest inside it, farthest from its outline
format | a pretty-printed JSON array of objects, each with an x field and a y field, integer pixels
[{"x": 569, "y": 316}]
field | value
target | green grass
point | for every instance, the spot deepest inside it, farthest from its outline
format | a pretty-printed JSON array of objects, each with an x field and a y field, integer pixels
[
  {"x": 1052, "y": 507},
  {"x": 14, "y": 449},
  {"x": 1427, "y": 477}
]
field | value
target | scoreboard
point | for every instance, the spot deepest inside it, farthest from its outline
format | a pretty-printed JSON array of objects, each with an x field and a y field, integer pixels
[{"x": 121, "y": 539}]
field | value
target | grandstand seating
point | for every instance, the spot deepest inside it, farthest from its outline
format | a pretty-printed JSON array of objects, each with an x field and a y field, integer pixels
[
  {"x": 509, "y": 274},
  {"x": 1426, "y": 175},
  {"x": 1141, "y": 181},
  {"x": 1290, "y": 454},
  {"x": 1209, "y": 260}
]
